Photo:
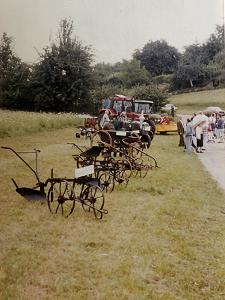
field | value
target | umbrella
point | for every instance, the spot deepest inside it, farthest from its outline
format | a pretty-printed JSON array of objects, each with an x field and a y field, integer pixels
[
  {"x": 214, "y": 109},
  {"x": 199, "y": 120}
]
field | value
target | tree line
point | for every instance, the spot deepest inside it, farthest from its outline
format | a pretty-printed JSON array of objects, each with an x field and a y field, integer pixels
[{"x": 65, "y": 79}]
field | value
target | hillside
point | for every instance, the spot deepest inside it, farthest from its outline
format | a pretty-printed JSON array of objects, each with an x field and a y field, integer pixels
[{"x": 190, "y": 102}]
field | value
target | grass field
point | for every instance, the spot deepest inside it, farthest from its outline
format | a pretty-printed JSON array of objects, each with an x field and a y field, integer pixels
[
  {"x": 19, "y": 123},
  {"x": 162, "y": 239},
  {"x": 192, "y": 102}
]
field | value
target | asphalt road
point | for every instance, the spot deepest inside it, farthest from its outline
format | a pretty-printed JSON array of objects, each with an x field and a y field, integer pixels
[{"x": 213, "y": 160}]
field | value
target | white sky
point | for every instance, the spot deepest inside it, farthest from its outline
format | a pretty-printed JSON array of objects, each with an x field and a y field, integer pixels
[{"x": 114, "y": 28}]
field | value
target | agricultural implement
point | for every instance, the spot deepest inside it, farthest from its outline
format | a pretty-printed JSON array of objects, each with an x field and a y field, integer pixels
[
  {"x": 108, "y": 170},
  {"x": 126, "y": 144},
  {"x": 62, "y": 193},
  {"x": 37, "y": 192},
  {"x": 116, "y": 156}
]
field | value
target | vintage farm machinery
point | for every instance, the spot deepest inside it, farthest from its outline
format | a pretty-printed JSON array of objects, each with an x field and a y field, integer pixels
[
  {"x": 62, "y": 193},
  {"x": 110, "y": 160}
]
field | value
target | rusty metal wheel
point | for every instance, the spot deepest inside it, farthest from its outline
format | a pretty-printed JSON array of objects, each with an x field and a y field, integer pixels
[
  {"x": 61, "y": 198},
  {"x": 101, "y": 137},
  {"x": 107, "y": 181},
  {"x": 141, "y": 168},
  {"x": 123, "y": 171},
  {"x": 93, "y": 199}
]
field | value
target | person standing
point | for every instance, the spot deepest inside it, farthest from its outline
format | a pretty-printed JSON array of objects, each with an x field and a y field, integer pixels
[
  {"x": 199, "y": 137},
  {"x": 220, "y": 129},
  {"x": 105, "y": 121},
  {"x": 188, "y": 135},
  {"x": 180, "y": 130}
]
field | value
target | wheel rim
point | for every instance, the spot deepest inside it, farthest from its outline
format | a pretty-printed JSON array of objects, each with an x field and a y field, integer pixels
[
  {"x": 123, "y": 172},
  {"x": 107, "y": 182},
  {"x": 142, "y": 168},
  {"x": 93, "y": 198},
  {"x": 61, "y": 198},
  {"x": 101, "y": 137}
]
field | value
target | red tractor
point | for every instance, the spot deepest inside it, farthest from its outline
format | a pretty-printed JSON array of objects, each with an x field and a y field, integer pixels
[{"x": 120, "y": 103}]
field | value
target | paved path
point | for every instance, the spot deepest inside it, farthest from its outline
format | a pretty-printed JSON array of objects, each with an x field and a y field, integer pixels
[{"x": 214, "y": 161}]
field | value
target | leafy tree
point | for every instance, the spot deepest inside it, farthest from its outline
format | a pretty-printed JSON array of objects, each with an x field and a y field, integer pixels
[
  {"x": 102, "y": 72},
  {"x": 158, "y": 57},
  {"x": 62, "y": 79},
  {"x": 132, "y": 73},
  {"x": 152, "y": 93},
  {"x": 127, "y": 73},
  {"x": 191, "y": 68},
  {"x": 214, "y": 45},
  {"x": 14, "y": 76},
  {"x": 215, "y": 69}
]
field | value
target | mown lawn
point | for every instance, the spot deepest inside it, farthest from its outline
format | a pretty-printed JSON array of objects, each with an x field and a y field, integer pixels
[
  {"x": 162, "y": 239},
  {"x": 192, "y": 102}
]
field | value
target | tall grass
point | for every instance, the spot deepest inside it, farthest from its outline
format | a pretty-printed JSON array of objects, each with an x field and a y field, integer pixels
[
  {"x": 18, "y": 123},
  {"x": 192, "y": 102}
]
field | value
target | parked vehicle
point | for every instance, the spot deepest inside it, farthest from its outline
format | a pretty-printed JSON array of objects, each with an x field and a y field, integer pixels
[
  {"x": 166, "y": 124},
  {"x": 168, "y": 108},
  {"x": 120, "y": 103}
]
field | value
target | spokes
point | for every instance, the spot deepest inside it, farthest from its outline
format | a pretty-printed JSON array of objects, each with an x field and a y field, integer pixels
[
  {"x": 93, "y": 199},
  {"x": 61, "y": 197}
]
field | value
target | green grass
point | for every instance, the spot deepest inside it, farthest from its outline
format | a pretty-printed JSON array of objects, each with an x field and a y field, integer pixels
[
  {"x": 189, "y": 103},
  {"x": 18, "y": 123},
  {"x": 162, "y": 239}
]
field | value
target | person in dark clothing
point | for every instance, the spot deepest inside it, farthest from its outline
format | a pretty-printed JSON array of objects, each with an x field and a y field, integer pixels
[
  {"x": 180, "y": 130},
  {"x": 151, "y": 123}
]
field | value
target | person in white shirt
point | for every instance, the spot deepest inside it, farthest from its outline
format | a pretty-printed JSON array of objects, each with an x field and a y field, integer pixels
[{"x": 105, "y": 121}]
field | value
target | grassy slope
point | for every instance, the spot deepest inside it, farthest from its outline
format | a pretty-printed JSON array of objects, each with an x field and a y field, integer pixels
[
  {"x": 19, "y": 123},
  {"x": 191, "y": 102},
  {"x": 162, "y": 239}
]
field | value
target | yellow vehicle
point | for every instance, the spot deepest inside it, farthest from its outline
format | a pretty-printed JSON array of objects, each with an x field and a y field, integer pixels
[{"x": 165, "y": 124}]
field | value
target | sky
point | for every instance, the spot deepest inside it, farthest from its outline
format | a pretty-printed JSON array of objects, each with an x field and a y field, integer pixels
[{"x": 114, "y": 28}]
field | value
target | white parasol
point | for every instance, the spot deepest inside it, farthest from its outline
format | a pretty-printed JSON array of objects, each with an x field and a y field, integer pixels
[
  {"x": 200, "y": 120},
  {"x": 213, "y": 109}
]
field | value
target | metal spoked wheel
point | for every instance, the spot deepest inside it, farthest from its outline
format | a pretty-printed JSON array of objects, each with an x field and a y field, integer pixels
[
  {"x": 123, "y": 171},
  {"x": 93, "y": 198},
  {"x": 141, "y": 168},
  {"x": 101, "y": 137},
  {"x": 107, "y": 181},
  {"x": 61, "y": 198}
]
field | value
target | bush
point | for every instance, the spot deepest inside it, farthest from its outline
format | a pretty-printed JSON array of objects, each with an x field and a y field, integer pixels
[{"x": 152, "y": 93}]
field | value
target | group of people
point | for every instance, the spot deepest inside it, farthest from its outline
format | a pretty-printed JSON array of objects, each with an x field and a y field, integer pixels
[
  {"x": 199, "y": 130},
  {"x": 121, "y": 121},
  {"x": 117, "y": 122}
]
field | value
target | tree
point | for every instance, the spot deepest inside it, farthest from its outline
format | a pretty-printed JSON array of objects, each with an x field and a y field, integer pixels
[
  {"x": 101, "y": 72},
  {"x": 14, "y": 76},
  {"x": 62, "y": 79},
  {"x": 133, "y": 74},
  {"x": 152, "y": 93},
  {"x": 214, "y": 45},
  {"x": 127, "y": 73},
  {"x": 191, "y": 68},
  {"x": 158, "y": 57},
  {"x": 215, "y": 69}
]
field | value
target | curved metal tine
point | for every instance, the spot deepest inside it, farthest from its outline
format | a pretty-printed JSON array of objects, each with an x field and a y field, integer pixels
[
  {"x": 76, "y": 146},
  {"x": 156, "y": 164},
  {"x": 57, "y": 208}
]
